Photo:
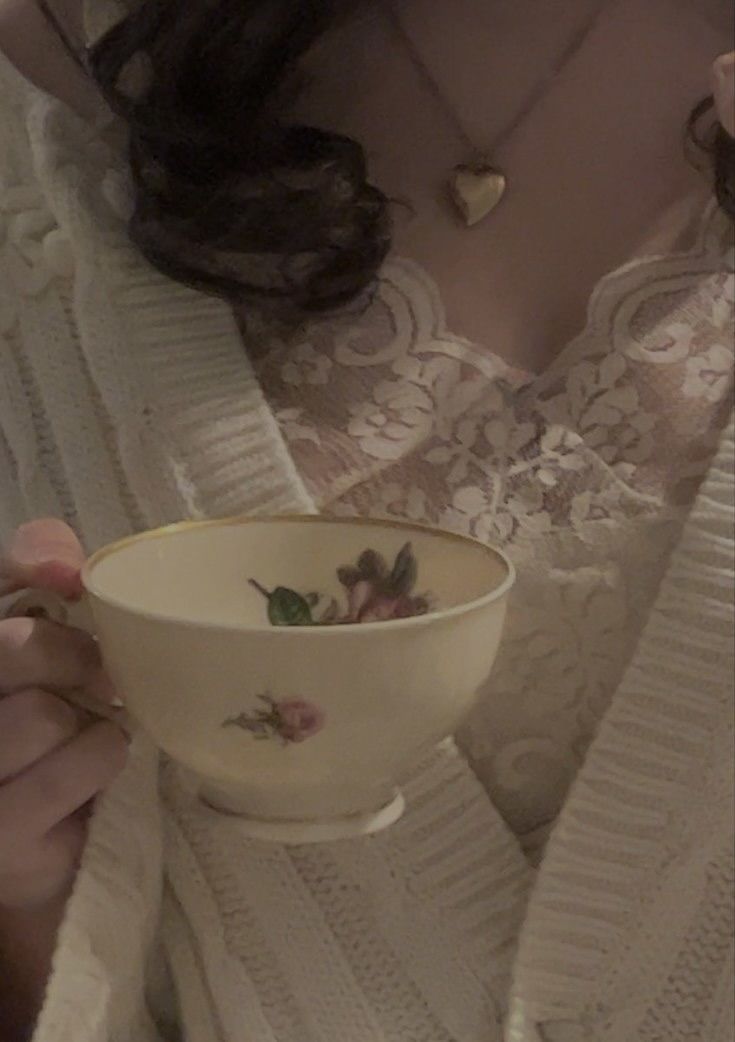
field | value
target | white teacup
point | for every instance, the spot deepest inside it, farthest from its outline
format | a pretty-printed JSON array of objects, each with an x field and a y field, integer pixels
[{"x": 305, "y": 729}]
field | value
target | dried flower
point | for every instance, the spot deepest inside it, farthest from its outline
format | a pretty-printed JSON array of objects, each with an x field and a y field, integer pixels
[{"x": 375, "y": 593}]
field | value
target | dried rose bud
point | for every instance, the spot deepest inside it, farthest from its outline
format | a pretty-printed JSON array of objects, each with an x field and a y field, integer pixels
[
  {"x": 349, "y": 576},
  {"x": 372, "y": 565}
]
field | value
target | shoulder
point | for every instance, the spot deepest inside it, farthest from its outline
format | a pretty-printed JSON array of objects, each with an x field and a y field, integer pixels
[{"x": 31, "y": 54}]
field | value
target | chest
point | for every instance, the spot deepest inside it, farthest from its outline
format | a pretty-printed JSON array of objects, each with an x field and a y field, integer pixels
[{"x": 596, "y": 166}]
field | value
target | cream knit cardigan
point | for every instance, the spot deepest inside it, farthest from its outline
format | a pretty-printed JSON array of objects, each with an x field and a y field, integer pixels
[{"x": 128, "y": 401}]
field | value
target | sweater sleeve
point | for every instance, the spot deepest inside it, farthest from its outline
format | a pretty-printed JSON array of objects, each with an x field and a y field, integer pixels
[
  {"x": 108, "y": 982},
  {"x": 630, "y": 929},
  {"x": 11, "y": 513}
]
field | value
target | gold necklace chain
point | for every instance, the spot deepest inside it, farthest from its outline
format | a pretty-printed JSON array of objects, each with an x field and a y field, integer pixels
[{"x": 477, "y": 186}]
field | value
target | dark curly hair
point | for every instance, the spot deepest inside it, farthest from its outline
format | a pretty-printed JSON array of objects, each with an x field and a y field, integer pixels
[
  {"x": 713, "y": 141},
  {"x": 231, "y": 197}
]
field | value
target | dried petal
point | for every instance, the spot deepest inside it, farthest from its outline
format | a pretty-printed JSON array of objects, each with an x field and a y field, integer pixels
[
  {"x": 372, "y": 565},
  {"x": 361, "y": 595},
  {"x": 405, "y": 571},
  {"x": 330, "y": 614},
  {"x": 349, "y": 576}
]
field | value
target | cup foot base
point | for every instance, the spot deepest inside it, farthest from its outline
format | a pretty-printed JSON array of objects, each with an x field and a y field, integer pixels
[{"x": 297, "y": 833}]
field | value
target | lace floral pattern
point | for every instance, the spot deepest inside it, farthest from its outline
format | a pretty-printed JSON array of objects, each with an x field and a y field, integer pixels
[{"x": 581, "y": 473}]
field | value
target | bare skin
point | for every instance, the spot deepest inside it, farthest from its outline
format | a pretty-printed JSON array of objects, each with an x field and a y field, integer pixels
[
  {"x": 53, "y": 763},
  {"x": 32, "y": 46},
  {"x": 596, "y": 173}
]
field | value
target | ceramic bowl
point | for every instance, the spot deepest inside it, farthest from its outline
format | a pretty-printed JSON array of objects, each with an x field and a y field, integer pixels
[{"x": 299, "y": 666}]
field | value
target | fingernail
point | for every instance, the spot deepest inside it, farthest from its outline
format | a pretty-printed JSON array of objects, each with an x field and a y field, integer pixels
[{"x": 64, "y": 579}]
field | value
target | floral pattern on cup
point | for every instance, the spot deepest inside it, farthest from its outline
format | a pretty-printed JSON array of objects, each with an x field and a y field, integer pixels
[
  {"x": 289, "y": 720},
  {"x": 374, "y": 592}
]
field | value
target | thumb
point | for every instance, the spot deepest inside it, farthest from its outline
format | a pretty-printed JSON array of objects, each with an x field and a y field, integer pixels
[{"x": 43, "y": 555}]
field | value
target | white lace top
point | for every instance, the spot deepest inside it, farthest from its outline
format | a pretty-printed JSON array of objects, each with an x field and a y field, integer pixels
[
  {"x": 126, "y": 401},
  {"x": 580, "y": 472}
]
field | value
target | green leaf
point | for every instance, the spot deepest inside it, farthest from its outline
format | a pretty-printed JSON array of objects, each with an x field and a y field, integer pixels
[
  {"x": 288, "y": 608},
  {"x": 405, "y": 571}
]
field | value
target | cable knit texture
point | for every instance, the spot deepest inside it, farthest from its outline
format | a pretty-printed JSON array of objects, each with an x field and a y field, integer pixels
[
  {"x": 630, "y": 928},
  {"x": 105, "y": 431},
  {"x": 127, "y": 401}
]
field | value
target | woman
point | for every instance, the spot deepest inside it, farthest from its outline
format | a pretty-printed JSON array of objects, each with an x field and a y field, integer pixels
[{"x": 128, "y": 400}]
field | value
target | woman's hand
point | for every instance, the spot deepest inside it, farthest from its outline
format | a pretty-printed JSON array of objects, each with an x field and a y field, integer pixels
[{"x": 53, "y": 759}]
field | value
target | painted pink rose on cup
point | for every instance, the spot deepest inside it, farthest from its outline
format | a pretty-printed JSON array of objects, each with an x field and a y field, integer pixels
[
  {"x": 290, "y": 720},
  {"x": 298, "y": 719}
]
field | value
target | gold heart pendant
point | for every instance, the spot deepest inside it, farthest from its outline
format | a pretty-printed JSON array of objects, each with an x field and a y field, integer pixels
[{"x": 476, "y": 191}]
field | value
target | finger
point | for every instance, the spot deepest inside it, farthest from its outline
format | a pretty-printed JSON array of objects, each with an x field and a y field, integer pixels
[
  {"x": 36, "y": 653},
  {"x": 60, "y": 784},
  {"x": 32, "y": 724},
  {"x": 38, "y": 604},
  {"x": 43, "y": 868},
  {"x": 59, "y": 854},
  {"x": 43, "y": 555}
]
